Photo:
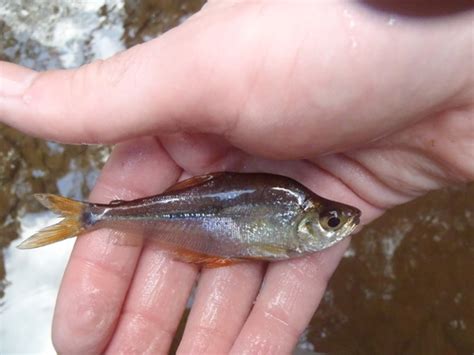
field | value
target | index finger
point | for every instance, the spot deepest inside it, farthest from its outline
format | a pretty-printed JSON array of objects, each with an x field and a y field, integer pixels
[
  {"x": 290, "y": 294},
  {"x": 100, "y": 270}
]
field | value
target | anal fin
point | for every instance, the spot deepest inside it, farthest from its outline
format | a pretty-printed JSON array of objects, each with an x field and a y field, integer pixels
[{"x": 204, "y": 260}]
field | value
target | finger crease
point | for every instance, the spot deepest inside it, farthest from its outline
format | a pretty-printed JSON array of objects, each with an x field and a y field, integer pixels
[
  {"x": 156, "y": 323},
  {"x": 123, "y": 275}
]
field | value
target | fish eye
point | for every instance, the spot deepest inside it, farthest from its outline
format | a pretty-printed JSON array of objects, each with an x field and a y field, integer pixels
[
  {"x": 330, "y": 219},
  {"x": 333, "y": 222}
]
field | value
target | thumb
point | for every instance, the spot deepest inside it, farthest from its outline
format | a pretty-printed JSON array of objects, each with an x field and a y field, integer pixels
[
  {"x": 161, "y": 86},
  {"x": 269, "y": 77}
]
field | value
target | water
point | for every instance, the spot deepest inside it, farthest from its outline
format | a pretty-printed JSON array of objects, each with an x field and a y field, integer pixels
[
  {"x": 405, "y": 286},
  {"x": 30, "y": 296}
]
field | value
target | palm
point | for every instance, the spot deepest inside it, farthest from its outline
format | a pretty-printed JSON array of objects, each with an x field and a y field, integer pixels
[
  {"x": 279, "y": 80},
  {"x": 159, "y": 287}
]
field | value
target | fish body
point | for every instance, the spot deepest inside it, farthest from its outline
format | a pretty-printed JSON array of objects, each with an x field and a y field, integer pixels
[{"x": 222, "y": 217}]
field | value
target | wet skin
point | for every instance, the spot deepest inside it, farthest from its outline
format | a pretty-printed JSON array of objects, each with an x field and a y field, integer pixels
[{"x": 390, "y": 149}]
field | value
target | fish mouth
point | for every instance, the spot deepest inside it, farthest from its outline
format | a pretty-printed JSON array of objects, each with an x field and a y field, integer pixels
[
  {"x": 355, "y": 220},
  {"x": 353, "y": 223}
]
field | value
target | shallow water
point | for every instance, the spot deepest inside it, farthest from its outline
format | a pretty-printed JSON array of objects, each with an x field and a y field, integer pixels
[{"x": 405, "y": 286}]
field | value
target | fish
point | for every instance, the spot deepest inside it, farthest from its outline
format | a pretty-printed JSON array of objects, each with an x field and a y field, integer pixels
[{"x": 214, "y": 220}]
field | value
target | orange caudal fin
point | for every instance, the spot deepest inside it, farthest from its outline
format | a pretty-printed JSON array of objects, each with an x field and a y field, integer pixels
[
  {"x": 70, "y": 226},
  {"x": 204, "y": 260}
]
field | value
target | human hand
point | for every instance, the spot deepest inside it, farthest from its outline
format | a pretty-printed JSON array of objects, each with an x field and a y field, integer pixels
[{"x": 234, "y": 88}]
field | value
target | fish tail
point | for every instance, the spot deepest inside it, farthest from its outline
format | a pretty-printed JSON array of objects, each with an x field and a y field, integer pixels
[{"x": 70, "y": 226}]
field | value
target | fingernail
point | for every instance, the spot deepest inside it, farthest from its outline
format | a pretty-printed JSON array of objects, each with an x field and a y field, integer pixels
[{"x": 14, "y": 79}]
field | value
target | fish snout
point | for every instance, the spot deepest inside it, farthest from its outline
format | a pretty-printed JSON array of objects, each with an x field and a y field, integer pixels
[{"x": 353, "y": 215}]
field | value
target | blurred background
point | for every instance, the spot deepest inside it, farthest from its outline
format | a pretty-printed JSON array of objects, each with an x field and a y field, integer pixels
[{"x": 405, "y": 286}]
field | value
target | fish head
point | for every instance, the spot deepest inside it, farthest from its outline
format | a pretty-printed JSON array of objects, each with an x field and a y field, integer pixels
[{"x": 325, "y": 223}]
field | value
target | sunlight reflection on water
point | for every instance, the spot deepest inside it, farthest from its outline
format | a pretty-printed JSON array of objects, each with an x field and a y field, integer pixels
[
  {"x": 37, "y": 274},
  {"x": 69, "y": 27}
]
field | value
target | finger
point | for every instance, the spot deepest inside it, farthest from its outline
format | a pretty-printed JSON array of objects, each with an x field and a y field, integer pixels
[
  {"x": 223, "y": 301},
  {"x": 224, "y": 292},
  {"x": 289, "y": 296},
  {"x": 100, "y": 269},
  {"x": 208, "y": 75},
  {"x": 154, "y": 305},
  {"x": 153, "y": 87}
]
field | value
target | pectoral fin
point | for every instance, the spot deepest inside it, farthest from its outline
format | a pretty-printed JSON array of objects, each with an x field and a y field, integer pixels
[{"x": 269, "y": 251}]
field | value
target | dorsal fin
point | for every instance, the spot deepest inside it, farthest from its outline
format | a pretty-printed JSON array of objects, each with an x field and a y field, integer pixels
[
  {"x": 115, "y": 202},
  {"x": 194, "y": 181}
]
